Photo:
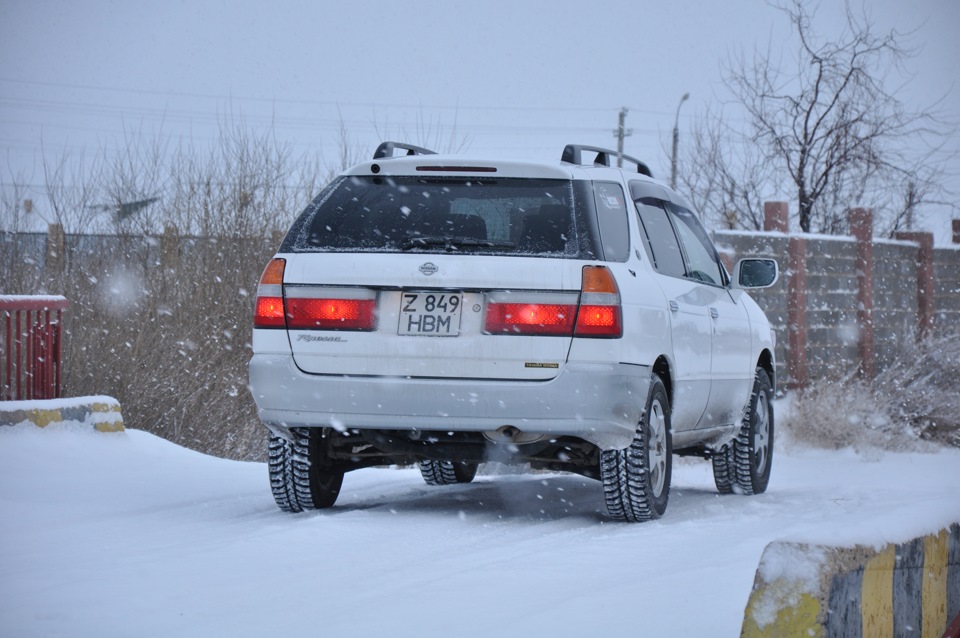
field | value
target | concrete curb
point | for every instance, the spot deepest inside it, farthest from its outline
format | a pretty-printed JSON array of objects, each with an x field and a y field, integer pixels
[
  {"x": 908, "y": 589},
  {"x": 102, "y": 413}
]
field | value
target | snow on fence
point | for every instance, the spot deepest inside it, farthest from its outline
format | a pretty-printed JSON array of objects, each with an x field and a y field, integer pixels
[
  {"x": 31, "y": 337},
  {"x": 847, "y": 303}
]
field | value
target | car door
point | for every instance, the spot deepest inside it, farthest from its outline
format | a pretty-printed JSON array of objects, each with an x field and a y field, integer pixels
[
  {"x": 690, "y": 323},
  {"x": 731, "y": 369}
]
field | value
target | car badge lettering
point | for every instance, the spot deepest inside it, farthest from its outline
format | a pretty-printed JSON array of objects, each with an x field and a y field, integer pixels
[
  {"x": 428, "y": 268},
  {"x": 315, "y": 338}
]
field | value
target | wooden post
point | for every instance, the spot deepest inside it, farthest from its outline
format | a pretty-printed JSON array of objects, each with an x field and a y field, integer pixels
[
  {"x": 55, "y": 258},
  {"x": 776, "y": 217},
  {"x": 924, "y": 281},
  {"x": 169, "y": 248},
  {"x": 797, "y": 313}
]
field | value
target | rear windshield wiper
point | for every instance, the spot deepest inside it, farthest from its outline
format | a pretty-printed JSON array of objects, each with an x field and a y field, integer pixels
[{"x": 451, "y": 243}]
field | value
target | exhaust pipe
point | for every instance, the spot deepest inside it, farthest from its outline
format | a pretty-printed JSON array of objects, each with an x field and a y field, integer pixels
[{"x": 512, "y": 434}]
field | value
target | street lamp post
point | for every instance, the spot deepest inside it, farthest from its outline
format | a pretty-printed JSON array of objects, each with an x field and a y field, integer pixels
[{"x": 676, "y": 142}]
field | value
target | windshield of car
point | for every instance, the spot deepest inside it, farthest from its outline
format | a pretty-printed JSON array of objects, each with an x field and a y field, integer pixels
[{"x": 442, "y": 214}]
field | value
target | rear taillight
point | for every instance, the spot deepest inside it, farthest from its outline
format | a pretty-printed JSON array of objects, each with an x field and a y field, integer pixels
[
  {"x": 316, "y": 308},
  {"x": 599, "y": 314},
  {"x": 530, "y": 313},
  {"x": 559, "y": 314},
  {"x": 311, "y": 307},
  {"x": 269, "y": 308}
]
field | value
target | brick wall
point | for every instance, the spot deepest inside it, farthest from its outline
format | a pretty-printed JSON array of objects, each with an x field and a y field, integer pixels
[
  {"x": 832, "y": 334},
  {"x": 946, "y": 287},
  {"x": 816, "y": 307},
  {"x": 844, "y": 304}
]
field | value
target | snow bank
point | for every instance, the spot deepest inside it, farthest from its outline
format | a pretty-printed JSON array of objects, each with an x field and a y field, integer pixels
[
  {"x": 102, "y": 413},
  {"x": 130, "y": 535}
]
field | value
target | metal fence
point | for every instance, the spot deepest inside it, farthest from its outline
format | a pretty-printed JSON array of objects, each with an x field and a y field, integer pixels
[{"x": 31, "y": 337}]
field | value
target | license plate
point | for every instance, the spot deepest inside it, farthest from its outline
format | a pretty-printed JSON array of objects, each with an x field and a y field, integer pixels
[{"x": 430, "y": 314}]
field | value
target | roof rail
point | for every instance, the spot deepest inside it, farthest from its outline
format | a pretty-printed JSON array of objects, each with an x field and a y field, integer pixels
[
  {"x": 572, "y": 154},
  {"x": 385, "y": 150}
]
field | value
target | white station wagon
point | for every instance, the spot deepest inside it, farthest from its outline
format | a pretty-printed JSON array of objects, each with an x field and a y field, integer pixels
[{"x": 445, "y": 311}]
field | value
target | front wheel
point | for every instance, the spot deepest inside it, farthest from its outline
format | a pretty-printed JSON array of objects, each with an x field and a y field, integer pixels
[
  {"x": 301, "y": 474},
  {"x": 636, "y": 481},
  {"x": 744, "y": 465}
]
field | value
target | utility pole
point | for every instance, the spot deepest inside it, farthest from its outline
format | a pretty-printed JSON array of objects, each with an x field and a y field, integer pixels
[
  {"x": 911, "y": 203},
  {"x": 676, "y": 142},
  {"x": 621, "y": 133}
]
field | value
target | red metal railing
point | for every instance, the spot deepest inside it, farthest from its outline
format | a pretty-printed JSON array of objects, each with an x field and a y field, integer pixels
[{"x": 31, "y": 340}]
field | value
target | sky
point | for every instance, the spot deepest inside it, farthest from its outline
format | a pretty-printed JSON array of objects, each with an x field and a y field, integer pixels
[{"x": 504, "y": 78}]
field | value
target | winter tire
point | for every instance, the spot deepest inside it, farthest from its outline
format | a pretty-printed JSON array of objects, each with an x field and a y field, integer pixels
[
  {"x": 447, "y": 472},
  {"x": 744, "y": 465},
  {"x": 301, "y": 475},
  {"x": 636, "y": 480}
]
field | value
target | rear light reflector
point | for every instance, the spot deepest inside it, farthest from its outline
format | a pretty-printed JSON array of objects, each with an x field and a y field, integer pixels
[
  {"x": 269, "y": 307},
  {"x": 550, "y": 314},
  {"x": 538, "y": 319},
  {"x": 594, "y": 312},
  {"x": 318, "y": 308},
  {"x": 331, "y": 314}
]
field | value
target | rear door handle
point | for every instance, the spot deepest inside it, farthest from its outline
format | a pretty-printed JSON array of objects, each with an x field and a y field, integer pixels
[
  {"x": 674, "y": 306},
  {"x": 714, "y": 313}
]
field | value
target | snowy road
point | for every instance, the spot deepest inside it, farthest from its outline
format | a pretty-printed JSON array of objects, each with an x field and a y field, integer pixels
[{"x": 128, "y": 535}]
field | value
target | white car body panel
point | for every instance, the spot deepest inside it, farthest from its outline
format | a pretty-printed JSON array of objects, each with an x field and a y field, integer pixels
[{"x": 710, "y": 337}]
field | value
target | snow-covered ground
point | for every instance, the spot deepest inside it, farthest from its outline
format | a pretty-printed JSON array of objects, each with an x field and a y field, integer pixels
[{"x": 128, "y": 535}]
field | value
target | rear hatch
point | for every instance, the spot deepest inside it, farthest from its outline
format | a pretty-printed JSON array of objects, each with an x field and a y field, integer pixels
[
  {"x": 438, "y": 271},
  {"x": 429, "y": 315}
]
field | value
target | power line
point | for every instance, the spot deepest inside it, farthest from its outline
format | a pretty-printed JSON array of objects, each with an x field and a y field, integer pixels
[{"x": 230, "y": 98}]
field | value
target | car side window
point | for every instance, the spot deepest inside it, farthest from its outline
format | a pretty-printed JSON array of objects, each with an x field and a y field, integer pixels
[
  {"x": 703, "y": 263},
  {"x": 612, "y": 220},
  {"x": 661, "y": 243}
]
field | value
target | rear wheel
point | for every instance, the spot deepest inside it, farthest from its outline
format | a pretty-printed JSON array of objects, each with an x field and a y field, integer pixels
[
  {"x": 744, "y": 465},
  {"x": 447, "y": 472},
  {"x": 636, "y": 481},
  {"x": 301, "y": 475}
]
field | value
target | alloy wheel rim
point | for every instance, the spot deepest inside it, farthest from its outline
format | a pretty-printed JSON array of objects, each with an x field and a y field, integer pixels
[
  {"x": 761, "y": 436},
  {"x": 657, "y": 448}
]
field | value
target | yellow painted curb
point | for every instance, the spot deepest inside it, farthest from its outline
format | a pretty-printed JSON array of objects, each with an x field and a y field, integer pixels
[
  {"x": 103, "y": 414},
  {"x": 815, "y": 590}
]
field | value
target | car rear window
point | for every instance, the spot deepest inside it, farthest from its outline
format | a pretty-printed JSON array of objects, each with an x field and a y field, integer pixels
[{"x": 439, "y": 214}]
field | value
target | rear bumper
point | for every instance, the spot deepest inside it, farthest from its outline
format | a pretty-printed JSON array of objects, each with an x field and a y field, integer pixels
[{"x": 600, "y": 403}]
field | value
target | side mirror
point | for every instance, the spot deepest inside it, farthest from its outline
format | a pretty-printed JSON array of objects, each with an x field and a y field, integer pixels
[{"x": 752, "y": 272}]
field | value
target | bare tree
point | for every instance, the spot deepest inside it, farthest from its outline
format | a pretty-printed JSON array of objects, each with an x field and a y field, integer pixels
[
  {"x": 827, "y": 122},
  {"x": 718, "y": 186}
]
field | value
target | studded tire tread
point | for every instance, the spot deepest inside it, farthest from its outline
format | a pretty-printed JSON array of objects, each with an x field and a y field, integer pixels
[
  {"x": 629, "y": 492},
  {"x": 301, "y": 475},
  {"x": 743, "y": 466},
  {"x": 447, "y": 472}
]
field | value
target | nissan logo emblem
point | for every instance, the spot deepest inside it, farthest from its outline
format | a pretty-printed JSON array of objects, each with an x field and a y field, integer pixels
[{"x": 428, "y": 268}]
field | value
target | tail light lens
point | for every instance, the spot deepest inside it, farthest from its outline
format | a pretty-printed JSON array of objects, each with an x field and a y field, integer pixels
[
  {"x": 530, "y": 313},
  {"x": 269, "y": 307},
  {"x": 316, "y": 308},
  {"x": 595, "y": 312},
  {"x": 311, "y": 307},
  {"x": 600, "y": 314}
]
